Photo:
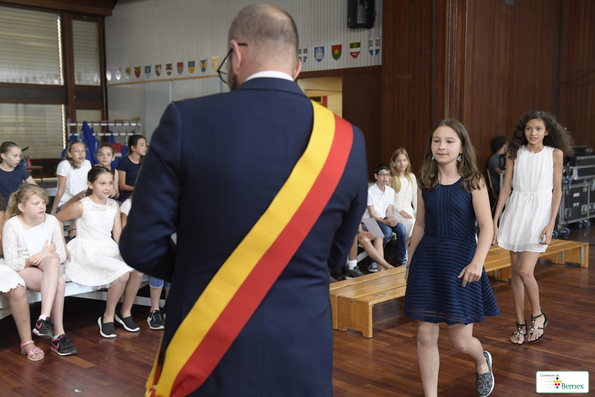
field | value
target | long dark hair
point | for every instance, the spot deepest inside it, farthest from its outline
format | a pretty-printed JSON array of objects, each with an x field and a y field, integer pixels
[
  {"x": 557, "y": 136},
  {"x": 467, "y": 166},
  {"x": 93, "y": 175},
  {"x": 133, "y": 141}
]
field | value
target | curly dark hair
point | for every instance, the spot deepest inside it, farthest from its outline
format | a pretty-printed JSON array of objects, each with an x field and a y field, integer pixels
[
  {"x": 467, "y": 166},
  {"x": 557, "y": 136}
]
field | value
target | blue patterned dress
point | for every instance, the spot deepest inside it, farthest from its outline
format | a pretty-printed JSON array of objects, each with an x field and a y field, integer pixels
[{"x": 434, "y": 293}]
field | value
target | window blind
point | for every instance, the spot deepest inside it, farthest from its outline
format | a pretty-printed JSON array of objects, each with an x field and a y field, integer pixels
[
  {"x": 38, "y": 126},
  {"x": 86, "y": 53},
  {"x": 30, "y": 48}
]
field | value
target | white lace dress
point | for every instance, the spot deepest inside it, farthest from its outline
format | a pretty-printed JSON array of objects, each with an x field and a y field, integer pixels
[
  {"x": 16, "y": 253},
  {"x": 529, "y": 208},
  {"x": 96, "y": 260}
]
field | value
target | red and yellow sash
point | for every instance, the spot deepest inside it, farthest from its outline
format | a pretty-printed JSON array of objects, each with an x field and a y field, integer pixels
[{"x": 242, "y": 282}]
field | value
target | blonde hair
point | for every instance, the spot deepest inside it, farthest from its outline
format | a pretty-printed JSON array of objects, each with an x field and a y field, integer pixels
[
  {"x": 21, "y": 196},
  {"x": 67, "y": 157},
  {"x": 395, "y": 181}
]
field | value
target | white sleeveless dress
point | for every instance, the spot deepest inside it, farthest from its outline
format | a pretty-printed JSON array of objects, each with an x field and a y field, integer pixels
[
  {"x": 96, "y": 259},
  {"x": 529, "y": 208}
]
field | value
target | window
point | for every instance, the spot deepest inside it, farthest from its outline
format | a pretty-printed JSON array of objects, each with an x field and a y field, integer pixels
[
  {"x": 86, "y": 53},
  {"x": 30, "y": 47}
]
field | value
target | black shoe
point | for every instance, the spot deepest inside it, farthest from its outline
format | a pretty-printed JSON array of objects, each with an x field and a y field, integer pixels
[
  {"x": 44, "y": 328},
  {"x": 353, "y": 273},
  {"x": 155, "y": 320},
  {"x": 107, "y": 330},
  {"x": 331, "y": 279},
  {"x": 484, "y": 383},
  {"x": 62, "y": 346},
  {"x": 127, "y": 322}
]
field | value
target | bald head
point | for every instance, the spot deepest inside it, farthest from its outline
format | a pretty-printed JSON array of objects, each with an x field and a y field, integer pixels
[{"x": 271, "y": 35}]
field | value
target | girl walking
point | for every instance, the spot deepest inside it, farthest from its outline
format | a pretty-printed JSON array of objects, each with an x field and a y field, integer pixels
[
  {"x": 96, "y": 259},
  {"x": 534, "y": 170},
  {"x": 446, "y": 280}
]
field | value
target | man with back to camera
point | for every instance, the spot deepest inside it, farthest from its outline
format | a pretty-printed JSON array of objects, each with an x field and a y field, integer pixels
[{"x": 265, "y": 191}]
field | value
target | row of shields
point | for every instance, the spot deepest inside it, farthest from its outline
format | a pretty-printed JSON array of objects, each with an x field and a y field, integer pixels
[
  {"x": 337, "y": 50},
  {"x": 148, "y": 69}
]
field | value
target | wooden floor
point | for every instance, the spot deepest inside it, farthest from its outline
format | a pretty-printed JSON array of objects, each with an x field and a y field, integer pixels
[{"x": 385, "y": 365}]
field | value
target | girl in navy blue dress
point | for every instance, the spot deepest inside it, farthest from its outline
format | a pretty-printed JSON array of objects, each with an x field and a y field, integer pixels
[{"x": 446, "y": 281}]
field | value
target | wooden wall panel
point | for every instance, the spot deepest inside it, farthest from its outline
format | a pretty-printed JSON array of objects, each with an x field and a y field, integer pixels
[
  {"x": 534, "y": 63},
  {"x": 361, "y": 107},
  {"x": 577, "y": 76},
  {"x": 487, "y": 100},
  {"x": 407, "y": 78}
]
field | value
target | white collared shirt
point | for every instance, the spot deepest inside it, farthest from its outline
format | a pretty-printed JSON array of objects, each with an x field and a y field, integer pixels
[{"x": 270, "y": 73}]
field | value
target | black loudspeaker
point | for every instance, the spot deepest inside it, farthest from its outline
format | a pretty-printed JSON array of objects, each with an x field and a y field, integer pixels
[{"x": 360, "y": 14}]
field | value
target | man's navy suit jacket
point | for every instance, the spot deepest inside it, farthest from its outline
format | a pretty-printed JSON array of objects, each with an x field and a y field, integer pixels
[{"x": 214, "y": 165}]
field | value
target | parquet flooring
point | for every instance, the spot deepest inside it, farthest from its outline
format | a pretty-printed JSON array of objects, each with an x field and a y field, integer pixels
[{"x": 385, "y": 365}]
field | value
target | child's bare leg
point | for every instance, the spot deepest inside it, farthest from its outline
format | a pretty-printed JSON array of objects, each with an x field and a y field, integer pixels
[
  {"x": 353, "y": 250},
  {"x": 113, "y": 296},
  {"x": 43, "y": 278},
  {"x": 461, "y": 337},
  {"x": 373, "y": 254},
  {"x": 518, "y": 293},
  {"x": 428, "y": 356},
  {"x": 19, "y": 307},
  {"x": 58, "y": 308},
  {"x": 130, "y": 292},
  {"x": 526, "y": 272}
]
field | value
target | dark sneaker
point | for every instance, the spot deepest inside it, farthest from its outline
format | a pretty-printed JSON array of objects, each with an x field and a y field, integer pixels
[
  {"x": 44, "y": 328},
  {"x": 485, "y": 382},
  {"x": 62, "y": 346},
  {"x": 353, "y": 273},
  {"x": 107, "y": 330},
  {"x": 331, "y": 279},
  {"x": 373, "y": 268},
  {"x": 155, "y": 320},
  {"x": 127, "y": 322}
]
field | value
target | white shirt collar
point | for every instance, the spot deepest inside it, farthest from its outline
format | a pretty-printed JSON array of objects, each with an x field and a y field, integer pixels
[{"x": 270, "y": 73}]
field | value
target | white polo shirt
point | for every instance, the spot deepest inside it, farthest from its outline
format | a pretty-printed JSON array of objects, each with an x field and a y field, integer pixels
[{"x": 379, "y": 200}]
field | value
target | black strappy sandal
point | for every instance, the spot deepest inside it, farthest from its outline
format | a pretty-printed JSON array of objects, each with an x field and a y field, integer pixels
[
  {"x": 519, "y": 332},
  {"x": 534, "y": 328},
  {"x": 70, "y": 230}
]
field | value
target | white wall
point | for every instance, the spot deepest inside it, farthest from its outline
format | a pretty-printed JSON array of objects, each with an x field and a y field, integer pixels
[{"x": 150, "y": 32}]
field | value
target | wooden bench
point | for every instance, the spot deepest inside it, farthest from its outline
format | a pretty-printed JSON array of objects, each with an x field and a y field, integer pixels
[
  {"x": 352, "y": 300},
  {"x": 559, "y": 251}
]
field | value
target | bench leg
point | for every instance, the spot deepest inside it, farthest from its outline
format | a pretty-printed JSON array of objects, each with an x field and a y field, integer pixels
[
  {"x": 503, "y": 274},
  {"x": 580, "y": 255},
  {"x": 354, "y": 315}
]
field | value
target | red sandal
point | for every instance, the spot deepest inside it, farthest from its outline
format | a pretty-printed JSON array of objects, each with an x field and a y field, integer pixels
[{"x": 35, "y": 354}]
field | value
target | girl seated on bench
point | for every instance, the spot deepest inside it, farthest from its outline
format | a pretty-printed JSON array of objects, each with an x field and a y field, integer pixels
[
  {"x": 28, "y": 228},
  {"x": 96, "y": 259}
]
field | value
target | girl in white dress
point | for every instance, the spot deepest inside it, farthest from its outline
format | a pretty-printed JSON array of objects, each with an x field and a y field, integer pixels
[
  {"x": 12, "y": 287},
  {"x": 534, "y": 168},
  {"x": 28, "y": 228},
  {"x": 72, "y": 178},
  {"x": 96, "y": 259},
  {"x": 405, "y": 185}
]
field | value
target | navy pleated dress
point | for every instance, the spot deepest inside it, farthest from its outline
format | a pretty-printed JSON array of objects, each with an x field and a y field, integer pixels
[{"x": 434, "y": 293}]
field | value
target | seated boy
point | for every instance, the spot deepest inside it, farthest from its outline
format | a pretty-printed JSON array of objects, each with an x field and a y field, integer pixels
[{"x": 380, "y": 207}]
